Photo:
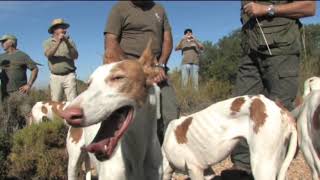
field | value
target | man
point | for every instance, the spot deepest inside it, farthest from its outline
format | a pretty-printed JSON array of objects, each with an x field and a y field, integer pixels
[
  {"x": 190, "y": 47},
  {"x": 130, "y": 26},
  {"x": 271, "y": 43},
  {"x": 14, "y": 84},
  {"x": 61, "y": 52}
]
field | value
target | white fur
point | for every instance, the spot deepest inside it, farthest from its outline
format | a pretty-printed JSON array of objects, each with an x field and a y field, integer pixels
[
  {"x": 214, "y": 132},
  {"x": 138, "y": 154},
  {"x": 308, "y": 135}
]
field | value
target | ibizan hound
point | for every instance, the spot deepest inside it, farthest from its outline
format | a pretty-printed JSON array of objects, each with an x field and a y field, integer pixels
[
  {"x": 115, "y": 121},
  {"x": 308, "y": 124},
  {"x": 200, "y": 140}
]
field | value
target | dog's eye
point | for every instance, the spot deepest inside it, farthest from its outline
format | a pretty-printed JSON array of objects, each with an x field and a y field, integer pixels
[{"x": 117, "y": 78}]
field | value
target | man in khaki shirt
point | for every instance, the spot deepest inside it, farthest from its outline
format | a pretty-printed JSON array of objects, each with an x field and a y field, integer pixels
[
  {"x": 61, "y": 52},
  {"x": 190, "y": 48},
  {"x": 129, "y": 27}
]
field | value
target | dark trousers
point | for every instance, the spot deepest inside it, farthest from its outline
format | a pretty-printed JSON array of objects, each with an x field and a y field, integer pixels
[
  {"x": 169, "y": 108},
  {"x": 274, "y": 76}
]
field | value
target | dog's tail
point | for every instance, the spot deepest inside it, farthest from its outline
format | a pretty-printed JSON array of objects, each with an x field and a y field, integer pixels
[{"x": 291, "y": 150}]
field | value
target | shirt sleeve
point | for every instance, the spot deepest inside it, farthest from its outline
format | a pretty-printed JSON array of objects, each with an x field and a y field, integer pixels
[
  {"x": 46, "y": 45},
  {"x": 114, "y": 22},
  {"x": 166, "y": 24},
  {"x": 73, "y": 44},
  {"x": 30, "y": 63}
]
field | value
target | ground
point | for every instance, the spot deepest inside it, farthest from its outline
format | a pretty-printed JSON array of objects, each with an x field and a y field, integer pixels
[{"x": 298, "y": 169}]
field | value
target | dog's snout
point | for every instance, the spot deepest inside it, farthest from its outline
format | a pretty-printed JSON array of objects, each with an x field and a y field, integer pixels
[{"x": 73, "y": 115}]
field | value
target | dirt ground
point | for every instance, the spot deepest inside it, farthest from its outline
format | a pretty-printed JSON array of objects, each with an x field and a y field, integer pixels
[{"x": 298, "y": 169}]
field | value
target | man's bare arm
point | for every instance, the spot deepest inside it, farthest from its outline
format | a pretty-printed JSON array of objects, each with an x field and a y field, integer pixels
[
  {"x": 166, "y": 47},
  {"x": 178, "y": 47},
  {"x": 296, "y": 9},
  {"x": 33, "y": 76},
  {"x": 112, "y": 49}
]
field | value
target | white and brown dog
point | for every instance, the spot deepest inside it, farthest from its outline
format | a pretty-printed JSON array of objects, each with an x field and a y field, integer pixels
[
  {"x": 114, "y": 122},
  {"x": 45, "y": 111},
  {"x": 200, "y": 140},
  {"x": 308, "y": 124}
]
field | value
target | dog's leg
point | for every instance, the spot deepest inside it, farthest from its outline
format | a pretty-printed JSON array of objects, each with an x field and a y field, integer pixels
[
  {"x": 74, "y": 153},
  {"x": 167, "y": 169},
  {"x": 195, "y": 173}
]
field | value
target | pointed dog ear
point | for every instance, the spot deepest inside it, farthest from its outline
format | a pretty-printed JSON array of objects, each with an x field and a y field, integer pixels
[
  {"x": 147, "y": 58},
  {"x": 148, "y": 61}
]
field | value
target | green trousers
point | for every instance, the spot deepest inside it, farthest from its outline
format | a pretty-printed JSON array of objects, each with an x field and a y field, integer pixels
[{"x": 274, "y": 76}]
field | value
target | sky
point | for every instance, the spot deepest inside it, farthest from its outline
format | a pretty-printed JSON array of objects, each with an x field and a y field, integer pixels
[{"x": 30, "y": 20}]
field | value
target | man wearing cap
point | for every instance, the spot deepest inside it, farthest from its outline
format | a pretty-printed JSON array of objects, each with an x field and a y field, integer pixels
[
  {"x": 131, "y": 24},
  {"x": 61, "y": 52},
  {"x": 190, "y": 48},
  {"x": 14, "y": 84}
]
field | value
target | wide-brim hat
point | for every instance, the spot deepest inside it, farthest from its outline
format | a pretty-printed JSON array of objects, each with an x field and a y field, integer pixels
[
  {"x": 8, "y": 36},
  {"x": 57, "y": 22}
]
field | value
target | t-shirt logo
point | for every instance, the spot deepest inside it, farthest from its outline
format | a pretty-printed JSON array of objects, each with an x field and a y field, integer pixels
[{"x": 158, "y": 17}]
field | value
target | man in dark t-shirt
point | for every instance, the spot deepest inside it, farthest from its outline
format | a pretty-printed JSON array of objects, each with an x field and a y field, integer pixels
[
  {"x": 14, "y": 84},
  {"x": 129, "y": 27}
]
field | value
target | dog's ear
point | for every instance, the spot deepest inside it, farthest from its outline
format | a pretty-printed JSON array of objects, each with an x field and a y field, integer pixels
[
  {"x": 147, "y": 58},
  {"x": 148, "y": 61}
]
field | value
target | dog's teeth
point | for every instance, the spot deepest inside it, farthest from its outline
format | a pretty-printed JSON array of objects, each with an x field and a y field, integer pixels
[{"x": 105, "y": 147}]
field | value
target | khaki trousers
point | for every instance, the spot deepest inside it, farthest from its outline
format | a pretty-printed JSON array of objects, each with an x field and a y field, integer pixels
[{"x": 60, "y": 84}]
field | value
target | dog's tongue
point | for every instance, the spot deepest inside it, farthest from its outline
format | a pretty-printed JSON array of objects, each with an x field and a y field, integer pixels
[{"x": 104, "y": 147}]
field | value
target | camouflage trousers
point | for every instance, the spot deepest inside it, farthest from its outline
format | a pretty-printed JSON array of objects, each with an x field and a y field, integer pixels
[
  {"x": 14, "y": 110},
  {"x": 274, "y": 76}
]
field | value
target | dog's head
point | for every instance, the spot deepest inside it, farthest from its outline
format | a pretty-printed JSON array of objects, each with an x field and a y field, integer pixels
[
  {"x": 115, "y": 91},
  {"x": 311, "y": 84}
]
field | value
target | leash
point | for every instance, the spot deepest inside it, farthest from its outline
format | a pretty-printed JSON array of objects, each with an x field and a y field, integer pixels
[{"x": 264, "y": 37}]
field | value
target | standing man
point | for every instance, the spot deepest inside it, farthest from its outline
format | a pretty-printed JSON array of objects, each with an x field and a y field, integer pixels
[
  {"x": 130, "y": 25},
  {"x": 270, "y": 64},
  {"x": 190, "y": 47},
  {"x": 14, "y": 83},
  {"x": 61, "y": 52}
]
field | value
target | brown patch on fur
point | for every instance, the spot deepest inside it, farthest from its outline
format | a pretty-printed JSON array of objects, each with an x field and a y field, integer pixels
[
  {"x": 44, "y": 110},
  {"x": 129, "y": 78},
  {"x": 56, "y": 107},
  {"x": 181, "y": 131},
  {"x": 236, "y": 105},
  {"x": 75, "y": 134},
  {"x": 315, "y": 118},
  {"x": 257, "y": 114}
]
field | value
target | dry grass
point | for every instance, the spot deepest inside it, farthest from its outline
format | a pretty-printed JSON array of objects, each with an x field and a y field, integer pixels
[{"x": 298, "y": 169}]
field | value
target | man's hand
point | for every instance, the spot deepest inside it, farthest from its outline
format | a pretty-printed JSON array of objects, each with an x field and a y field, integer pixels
[
  {"x": 161, "y": 76},
  {"x": 253, "y": 9},
  {"x": 25, "y": 88}
]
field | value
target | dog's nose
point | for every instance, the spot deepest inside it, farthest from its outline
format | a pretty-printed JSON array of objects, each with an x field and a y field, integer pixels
[{"x": 73, "y": 115}]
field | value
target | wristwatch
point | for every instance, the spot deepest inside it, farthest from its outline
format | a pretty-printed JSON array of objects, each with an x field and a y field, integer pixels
[
  {"x": 161, "y": 66},
  {"x": 271, "y": 10}
]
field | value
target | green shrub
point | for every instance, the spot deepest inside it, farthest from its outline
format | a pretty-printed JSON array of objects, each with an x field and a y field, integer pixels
[
  {"x": 5, "y": 147},
  {"x": 39, "y": 152}
]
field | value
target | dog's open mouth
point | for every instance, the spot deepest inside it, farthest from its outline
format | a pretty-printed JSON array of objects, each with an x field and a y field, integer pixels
[{"x": 111, "y": 130}]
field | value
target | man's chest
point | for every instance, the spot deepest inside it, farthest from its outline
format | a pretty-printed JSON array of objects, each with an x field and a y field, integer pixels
[{"x": 143, "y": 20}]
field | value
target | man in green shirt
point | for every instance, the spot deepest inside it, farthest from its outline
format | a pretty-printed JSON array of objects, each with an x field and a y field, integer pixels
[
  {"x": 14, "y": 83},
  {"x": 270, "y": 63},
  {"x": 190, "y": 48},
  {"x": 131, "y": 24},
  {"x": 61, "y": 52}
]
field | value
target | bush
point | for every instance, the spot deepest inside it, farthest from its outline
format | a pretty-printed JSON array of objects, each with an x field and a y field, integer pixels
[
  {"x": 39, "y": 152},
  {"x": 5, "y": 147},
  {"x": 210, "y": 91}
]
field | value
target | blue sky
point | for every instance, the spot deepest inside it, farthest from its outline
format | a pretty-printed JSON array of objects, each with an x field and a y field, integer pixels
[{"x": 29, "y": 21}]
